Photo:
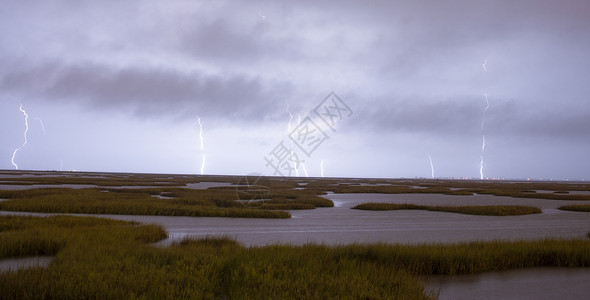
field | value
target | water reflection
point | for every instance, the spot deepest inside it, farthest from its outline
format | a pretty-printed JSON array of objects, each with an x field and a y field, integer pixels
[
  {"x": 14, "y": 264},
  {"x": 532, "y": 283}
]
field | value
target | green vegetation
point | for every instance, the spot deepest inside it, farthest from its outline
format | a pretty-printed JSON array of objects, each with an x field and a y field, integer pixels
[
  {"x": 294, "y": 199},
  {"x": 97, "y": 258},
  {"x": 182, "y": 202},
  {"x": 516, "y": 189},
  {"x": 156, "y": 194},
  {"x": 576, "y": 207},
  {"x": 213, "y": 202},
  {"x": 101, "y": 258},
  {"x": 489, "y": 210}
]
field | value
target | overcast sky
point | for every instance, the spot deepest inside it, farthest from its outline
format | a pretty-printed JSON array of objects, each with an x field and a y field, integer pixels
[{"x": 118, "y": 86}]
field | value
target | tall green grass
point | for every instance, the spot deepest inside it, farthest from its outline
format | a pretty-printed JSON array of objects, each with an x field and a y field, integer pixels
[
  {"x": 101, "y": 258},
  {"x": 487, "y": 210}
]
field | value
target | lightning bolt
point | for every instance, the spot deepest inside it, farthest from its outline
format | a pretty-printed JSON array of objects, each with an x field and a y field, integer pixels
[
  {"x": 483, "y": 147},
  {"x": 322, "y": 168},
  {"x": 288, "y": 111},
  {"x": 290, "y": 116},
  {"x": 202, "y": 148},
  {"x": 25, "y": 134},
  {"x": 484, "y": 111},
  {"x": 483, "y": 136},
  {"x": 42, "y": 126},
  {"x": 431, "y": 165},
  {"x": 302, "y": 163},
  {"x": 304, "y": 169}
]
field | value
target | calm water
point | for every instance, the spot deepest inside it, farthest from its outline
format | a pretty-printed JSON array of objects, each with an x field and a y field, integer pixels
[
  {"x": 13, "y": 264},
  {"x": 342, "y": 225},
  {"x": 535, "y": 283}
]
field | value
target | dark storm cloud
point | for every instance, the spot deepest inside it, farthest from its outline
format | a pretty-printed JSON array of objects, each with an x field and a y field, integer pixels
[
  {"x": 464, "y": 116},
  {"x": 149, "y": 91},
  {"x": 409, "y": 115}
]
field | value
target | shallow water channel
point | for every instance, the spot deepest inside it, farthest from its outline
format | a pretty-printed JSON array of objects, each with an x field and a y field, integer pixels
[{"x": 342, "y": 225}]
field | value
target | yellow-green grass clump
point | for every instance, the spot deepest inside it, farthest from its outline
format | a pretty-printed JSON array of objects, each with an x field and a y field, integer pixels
[
  {"x": 576, "y": 207},
  {"x": 486, "y": 210},
  {"x": 102, "y": 258},
  {"x": 182, "y": 202}
]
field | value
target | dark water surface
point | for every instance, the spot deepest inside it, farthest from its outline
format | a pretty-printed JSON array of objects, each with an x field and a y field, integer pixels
[{"x": 530, "y": 283}]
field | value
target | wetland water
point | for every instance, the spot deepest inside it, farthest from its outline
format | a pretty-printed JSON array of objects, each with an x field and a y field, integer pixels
[
  {"x": 530, "y": 283},
  {"x": 342, "y": 225},
  {"x": 13, "y": 264}
]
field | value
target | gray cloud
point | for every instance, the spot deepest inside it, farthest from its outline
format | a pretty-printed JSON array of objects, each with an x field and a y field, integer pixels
[
  {"x": 411, "y": 67},
  {"x": 146, "y": 90},
  {"x": 463, "y": 117}
]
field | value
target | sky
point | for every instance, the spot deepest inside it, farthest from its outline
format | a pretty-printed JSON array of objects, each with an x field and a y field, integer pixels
[{"x": 336, "y": 88}]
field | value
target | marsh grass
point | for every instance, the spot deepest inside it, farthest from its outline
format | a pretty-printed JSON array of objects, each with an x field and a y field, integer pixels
[
  {"x": 186, "y": 202},
  {"x": 102, "y": 258},
  {"x": 216, "y": 202},
  {"x": 459, "y": 187},
  {"x": 487, "y": 210},
  {"x": 576, "y": 207},
  {"x": 318, "y": 186},
  {"x": 294, "y": 199},
  {"x": 112, "y": 179}
]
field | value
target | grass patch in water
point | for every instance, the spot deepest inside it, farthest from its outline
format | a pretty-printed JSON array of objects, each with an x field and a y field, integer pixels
[
  {"x": 487, "y": 210},
  {"x": 576, "y": 207},
  {"x": 186, "y": 202}
]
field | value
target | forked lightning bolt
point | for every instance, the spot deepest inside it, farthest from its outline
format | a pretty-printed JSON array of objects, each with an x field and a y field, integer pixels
[
  {"x": 25, "y": 134},
  {"x": 202, "y": 147},
  {"x": 322, "y": 168}
]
